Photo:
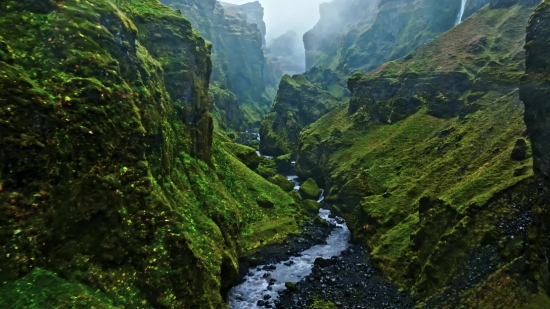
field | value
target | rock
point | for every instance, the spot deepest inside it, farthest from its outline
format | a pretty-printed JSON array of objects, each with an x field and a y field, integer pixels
[
  {"x": 311, "y": 206},
  {"x": 310, "y": 190},
  {"x": 283, "y": 163},
  {"x": 324, "y": 262},
  {"x": 295, "y": 196},
  {"x": 245, "y": 154},
  {"x": 282, "y": 182},
  {"x": 291, "y": 286},
  {"x": 260, "y": 303},
  {"x": 519, "y": 153}
]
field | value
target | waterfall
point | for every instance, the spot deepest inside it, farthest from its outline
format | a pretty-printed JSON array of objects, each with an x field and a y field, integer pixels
[{"x": 459, "y": 16}]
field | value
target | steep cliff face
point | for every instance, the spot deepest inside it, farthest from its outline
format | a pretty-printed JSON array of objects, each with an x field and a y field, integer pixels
[
  {"x": 288, "y": 51},
  {"x": 534, "y": 91},
  {"x": 238, "y": 59},
  {"x": 401, "y": 26},
  {"x": 109, "y": 172},
  {"x": 340, "y": 23},
  {"x": 252, "y": 13},
  {"x": 301, "y": 100},
  {"x": 437, "y": 136}
]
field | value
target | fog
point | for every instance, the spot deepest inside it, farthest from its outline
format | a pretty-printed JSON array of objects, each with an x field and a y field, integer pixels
[{"x": 283, "y": 15}]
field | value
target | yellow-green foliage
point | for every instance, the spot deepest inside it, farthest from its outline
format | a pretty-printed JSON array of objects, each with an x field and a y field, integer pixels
[{"x": 321, "y": 304}]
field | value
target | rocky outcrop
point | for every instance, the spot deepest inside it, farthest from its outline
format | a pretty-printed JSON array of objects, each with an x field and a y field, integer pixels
[
  {"x": 340, "y": 22},
  {"x": 288, "y": 51},
  {"x": 301, "y": 100},
  {"x": 252, "y": 13},
  {"x": 238, "y": 59},
  {"x": 110, "y": 174},
  {"x": 436, "y": 136},
  {"x": 535, "y": 87}
]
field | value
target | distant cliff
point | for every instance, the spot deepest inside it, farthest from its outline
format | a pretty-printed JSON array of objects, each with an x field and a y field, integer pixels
[
  {"x": 239, "y": 87},
  {"x": 288, "y": 51}
]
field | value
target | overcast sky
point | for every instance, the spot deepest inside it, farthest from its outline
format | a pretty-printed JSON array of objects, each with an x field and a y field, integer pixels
[{"x": 283, "y": 15}]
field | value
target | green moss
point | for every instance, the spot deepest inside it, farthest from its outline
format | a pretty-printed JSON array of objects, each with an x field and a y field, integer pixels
[
  {"x": 43, "y": 289},
  {"x": 321, "y": 304},
  {"x": 282, "y": 182},
  {"x": 245, "y": 154},
  {"x": 311, "y": 206},
  {"x": 309, "y": 189},
  {"x": 295, "y": 196},
  {"x": 267, "y": 168},
  {"x": 126, "y": 190}
]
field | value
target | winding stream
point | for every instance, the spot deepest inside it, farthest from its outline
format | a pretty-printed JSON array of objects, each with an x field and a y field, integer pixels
[{"x": 263, "y": 283}]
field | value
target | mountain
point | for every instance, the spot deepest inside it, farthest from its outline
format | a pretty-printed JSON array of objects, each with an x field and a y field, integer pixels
[{"x": 428, "y": 153}]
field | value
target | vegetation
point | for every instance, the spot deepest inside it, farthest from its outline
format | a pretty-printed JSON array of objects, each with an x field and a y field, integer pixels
[
  {"x": 110, "y": 173},
  {"x": 426, "y": 149}
]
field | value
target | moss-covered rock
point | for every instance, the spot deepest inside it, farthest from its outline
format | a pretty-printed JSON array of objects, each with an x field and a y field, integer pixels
[
  {"x": 245, "y": 154},
  {"x": 282, "y": 182},
  {"x": 321, "y": 304},
  {"x": 284, "y": 163},
  {"x": 295, "y": 196},
  {"x": 311, "y": 206},
  {"x": 310, "y": 190},
  {"x": 267, "y": 168}
]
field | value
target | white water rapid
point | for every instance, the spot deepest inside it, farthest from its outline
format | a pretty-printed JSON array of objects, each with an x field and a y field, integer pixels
[{"x": 461, "y": 13}]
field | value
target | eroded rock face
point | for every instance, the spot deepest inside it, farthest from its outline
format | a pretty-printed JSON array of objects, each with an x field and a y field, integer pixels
[
  {"x": 401, "y": 26},
  {"x": 301, "y": 100},
  {"x": 238, "y": 58},
  {"x": 535, "y": 88}
]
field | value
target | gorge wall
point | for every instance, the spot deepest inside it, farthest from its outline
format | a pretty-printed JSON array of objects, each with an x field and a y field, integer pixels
[
  {"x": 115, "y": 189},
  {"x": 242, "y": 87},
  {"x": 439, "y": 136}
]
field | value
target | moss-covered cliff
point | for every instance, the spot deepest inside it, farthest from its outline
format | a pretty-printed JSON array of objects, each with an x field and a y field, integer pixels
[
  {"x": 238, "y": 61},
  {"x": 429, "y": 153},
  {"x": 110, "y": 174},
  {"x": 301, "y": 100},
  {"x": 534, "y": 91}
]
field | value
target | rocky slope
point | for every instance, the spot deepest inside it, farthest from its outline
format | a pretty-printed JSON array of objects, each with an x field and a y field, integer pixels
[
  {"x": 429, "y": 154},
  {"x": 239, "y": 90},
  {"x": 534, "y": 91},
  {"x": 115, "y": 192}
]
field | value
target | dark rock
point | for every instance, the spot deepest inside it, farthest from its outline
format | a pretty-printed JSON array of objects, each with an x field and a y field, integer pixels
[{"x": 519, "y": 153}]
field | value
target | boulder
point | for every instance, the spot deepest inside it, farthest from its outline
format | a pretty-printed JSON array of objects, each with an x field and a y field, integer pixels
[
  {"x": 282, "y": 182},
  {"x": 310, "y": 190}
]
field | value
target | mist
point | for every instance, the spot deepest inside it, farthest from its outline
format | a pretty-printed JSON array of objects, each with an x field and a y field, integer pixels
[{"x": 284, "y": 15}]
